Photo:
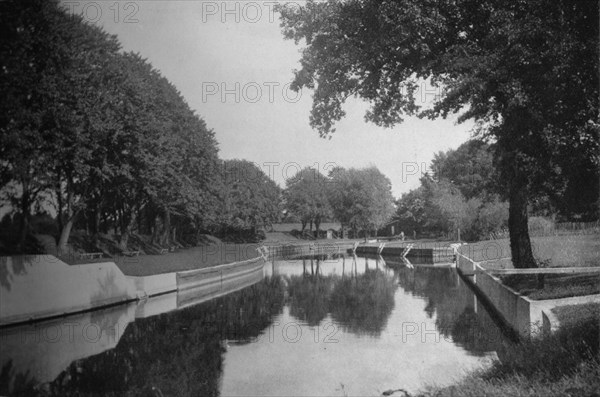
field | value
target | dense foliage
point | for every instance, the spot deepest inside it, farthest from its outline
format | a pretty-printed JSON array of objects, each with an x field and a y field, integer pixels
[
  {"x": 250, "y": 199},
  {"x": 360, "y": 199},
  {"x": 526, "y": 71},
  {"x": 100, "y": 138},
  {"x": 307, "y": 197},
  {"x": 463, "y": 191},
  {"x": 462, "y": 195}
]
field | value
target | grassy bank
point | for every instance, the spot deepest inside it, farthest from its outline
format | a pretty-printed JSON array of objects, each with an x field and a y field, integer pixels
[
  {"x": 566, "y": 363},
  {"x": 554, "y": 285},
  {"x": 186, "y": 259},
  {"x": 572, "y": 314},
  {"x": 553, "y": 251}
]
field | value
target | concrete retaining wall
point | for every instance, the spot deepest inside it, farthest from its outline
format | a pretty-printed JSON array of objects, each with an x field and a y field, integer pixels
[
  {"x": 528, "y": 317},
  {"x": 154, "y": 285},
  {"x": 41, "y": 286},
  {"x": 514, "y": 308},
  {"x": 247, "y": 275},
  {"x": 543, "y": 309},
  {"x": 217, "y": 275},
  {"x": 465, "y": 265}
]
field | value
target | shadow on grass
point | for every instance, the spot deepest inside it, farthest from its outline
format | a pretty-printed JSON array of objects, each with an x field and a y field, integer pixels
[{"x": 553, "y": 286}]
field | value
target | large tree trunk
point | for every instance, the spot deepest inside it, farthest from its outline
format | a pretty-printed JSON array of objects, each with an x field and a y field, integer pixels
[
  {"x": 317, "y": 226},
  {"x": 166, "y": 235},
  {"x": 520, "y": 243},
  {"x": 126, "y": 231},
  {"x": 64, "y": 235},
  {"x": 96, "y": 225},
  {"x": 139, "y": 219},
  {"x": 154, "y": 228},
  {"x": 72, "y": 215},
  {"x": 23, "y": 229},
  {"x": 24, "y": 221},
  {"x": 104, "y": 222},
  {"x": 59, "y": 199}
]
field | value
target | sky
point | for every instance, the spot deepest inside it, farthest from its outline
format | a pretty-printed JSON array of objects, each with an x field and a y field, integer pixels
[{"x": 231, "y": 63}]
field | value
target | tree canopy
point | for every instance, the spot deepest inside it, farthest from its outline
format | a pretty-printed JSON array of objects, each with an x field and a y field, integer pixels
[
  {"x": 525, "y": 70},
  {"x": 470, "y": 168},
  {"x": 250, "y": 198},
  {"x": 361, "y": 198},
  {"x": 97, "y": 133},
  {"x": 306, "y": 196}
]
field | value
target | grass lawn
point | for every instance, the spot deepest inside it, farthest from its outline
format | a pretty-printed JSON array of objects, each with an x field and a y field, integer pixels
[
  {"x": 555, "y": 251},
  {"x": 573, "y": 314},
  {"x": 192, "y": 258},
  {"x": 555, "y": 285},
  {"x": 551, "y": 251}
]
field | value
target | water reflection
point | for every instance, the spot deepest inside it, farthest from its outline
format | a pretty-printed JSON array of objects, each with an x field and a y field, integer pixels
[
  {"x": 327, "y": 325},
  {"x": 458, "y": 312},
  {"x": 309, "y": 293},
  {"x": 360, "y": 303},
  {"x": 179, "y": 353},
  {"x": 363, "y": 303}
]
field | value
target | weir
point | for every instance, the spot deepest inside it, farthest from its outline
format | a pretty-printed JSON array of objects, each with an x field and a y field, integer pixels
[{"x": 419, "y": 255}]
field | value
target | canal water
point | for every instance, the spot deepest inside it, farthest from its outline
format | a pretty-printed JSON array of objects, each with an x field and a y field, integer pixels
[{"x": 307, "y": 326}]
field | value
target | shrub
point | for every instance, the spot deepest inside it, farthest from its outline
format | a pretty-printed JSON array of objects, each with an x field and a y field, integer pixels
[
  {"x": 551, "y": 356},
  {"x": 492, "y": 218},
  {"x": 540, "y": 225}
]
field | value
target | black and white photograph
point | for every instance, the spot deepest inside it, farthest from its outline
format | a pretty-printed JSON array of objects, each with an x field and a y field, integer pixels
[{"x": 300, "y": 198}]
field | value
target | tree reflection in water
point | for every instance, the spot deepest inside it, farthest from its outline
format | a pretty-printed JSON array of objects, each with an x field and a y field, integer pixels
[
  {"x": 458, "y": 313},
  {"x": 309, "y": 293},
  {"x": 182, "y": 352},
  {"x": 359, "y": 303},
  {"x": 363, "y": 303},
  {"x": 178, "y": 353}
]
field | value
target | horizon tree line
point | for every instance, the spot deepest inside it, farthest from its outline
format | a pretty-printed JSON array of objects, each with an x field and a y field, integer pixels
[{"x": 99, "y": 137}]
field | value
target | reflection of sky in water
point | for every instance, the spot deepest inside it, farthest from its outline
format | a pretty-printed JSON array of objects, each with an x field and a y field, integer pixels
[
  {"x": 352, "y": 326},
  {"x": 292, "y": 358}
]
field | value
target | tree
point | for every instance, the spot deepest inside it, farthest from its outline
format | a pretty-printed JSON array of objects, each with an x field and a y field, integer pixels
[
  {"x": 470, "y": 168},
  {"x": 176, "y": 157},
  {"x": 361, "y": 198},
  {"x": 46, "y": 58},
  {"x": 250, "y": 198},
  {"x": 97, "y": 133},
  {"x": 440, "y": 208},
  {"x": 411, "y": 210},
  {"x": 306, "y": 197},
  {"x": 525, "y": 70}
]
